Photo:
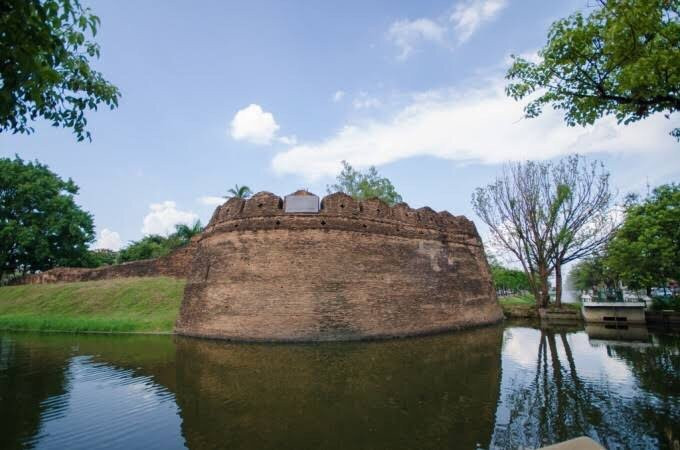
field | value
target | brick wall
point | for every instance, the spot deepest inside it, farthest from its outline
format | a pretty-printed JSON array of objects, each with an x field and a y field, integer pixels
[
  {"x": 356, "y": 270},
  {"x": 176, "y": 264}
]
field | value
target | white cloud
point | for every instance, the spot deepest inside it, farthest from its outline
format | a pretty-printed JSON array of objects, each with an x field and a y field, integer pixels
[
  {"x": 469, "y": 15},
  {"x": 365, "y": 101},
  {"x": 288, "y": 140},
  {"x": 406, "y": 34},
  {"x": 210, "y": 200},
  {"x": 338, "y": 96},
  {"x": 469, "y": 125},
  {"x": 254, "y": 125},
  {"x": 108, "y": 240},
  {"x": 163, "y": 217}
]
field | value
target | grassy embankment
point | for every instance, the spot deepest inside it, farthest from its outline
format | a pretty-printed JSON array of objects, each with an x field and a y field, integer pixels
[
  {"x": 120, "y": 305},
  {"x": 524, "y": 306}
]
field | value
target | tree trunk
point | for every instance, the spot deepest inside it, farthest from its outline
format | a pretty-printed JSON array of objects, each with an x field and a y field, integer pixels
[
  {"x": 558, "y": 285},
  {"x": 543, "y": 274}
]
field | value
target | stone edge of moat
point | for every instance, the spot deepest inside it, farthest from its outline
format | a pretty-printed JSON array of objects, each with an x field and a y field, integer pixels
[
  {"x": 234, "y": 339},
  {"x": 358, "y": 338}
]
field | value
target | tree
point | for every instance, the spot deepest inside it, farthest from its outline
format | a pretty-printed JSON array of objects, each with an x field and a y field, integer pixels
[
  {"x": 155, "y": 246},
  {"x": 45, "y": 66},
  {"x": 41, "y": 226},
  {"x": 623, "y": 59},
  {"x": 100, "y": 257},
  {"x": 546, "y": 214},
  {"x": 509, "y": 281},
  {"x": 239, "y": 192},
  {"x": 186, "y": 232},
  {"x": 364, "y": 185},
  {"x": 591, "y": 272},
  {"x": 584, "y": 222},
  {"x": 645, "y": 251},
  {"x": 152, "y": 246}
]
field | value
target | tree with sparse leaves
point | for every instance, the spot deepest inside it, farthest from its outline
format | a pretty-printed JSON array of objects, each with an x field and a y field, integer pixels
[
  {"x": 584, "y": 222},
  {"x": 41, "y": 226},
  {"x": 45, "y": 56},
  {"x": 364, "y": 185},
  {"x": 622, "y": 59},
  {"x": 547, "y": 214}
]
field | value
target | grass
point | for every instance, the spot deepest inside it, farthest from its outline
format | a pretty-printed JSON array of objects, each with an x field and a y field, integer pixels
[
  {"x": 528, "y": 300},
  {"x": 520, "y": 299},
  {"x": 524, "y": 306},
  {"x": 119, "y": 305}
]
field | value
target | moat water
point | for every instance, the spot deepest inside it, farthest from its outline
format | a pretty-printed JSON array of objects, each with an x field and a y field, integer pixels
[{"x": 507, "y": 386}]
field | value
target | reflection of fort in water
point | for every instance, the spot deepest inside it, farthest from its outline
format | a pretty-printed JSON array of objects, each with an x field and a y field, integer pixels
[
  {"x": 438, "y": 391},
  {"x": 457, "y": 390}
]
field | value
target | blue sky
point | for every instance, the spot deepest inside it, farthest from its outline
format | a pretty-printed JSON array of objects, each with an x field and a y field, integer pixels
[{"x": 275, "y": 94}]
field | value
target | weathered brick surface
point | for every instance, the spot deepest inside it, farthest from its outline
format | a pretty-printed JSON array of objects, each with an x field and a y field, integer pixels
[
  {"x": 177, "y": 264},
  {"x": 355, "y": 270}
]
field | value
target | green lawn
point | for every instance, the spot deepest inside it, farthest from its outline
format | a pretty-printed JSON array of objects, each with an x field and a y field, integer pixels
[
  {"x": 524, "y": 306},
  {"x": 520, "y": 299},
  {"x": 120, "y": 305}
]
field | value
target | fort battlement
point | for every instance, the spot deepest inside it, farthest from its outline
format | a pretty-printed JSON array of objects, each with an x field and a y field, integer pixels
[
  {"x": 271, "y": 269},
  {"x": 339, "y": 211}
]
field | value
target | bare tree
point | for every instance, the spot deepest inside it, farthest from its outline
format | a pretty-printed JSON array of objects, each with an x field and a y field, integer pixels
[
  {"x": 520, "y": 213},
  {"x": 547, "y": 214}
]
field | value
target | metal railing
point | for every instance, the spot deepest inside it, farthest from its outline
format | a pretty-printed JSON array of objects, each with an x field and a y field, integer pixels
[{"x": 612, "y": 296}]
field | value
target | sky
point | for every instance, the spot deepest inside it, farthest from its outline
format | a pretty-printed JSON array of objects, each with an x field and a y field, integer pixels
[{"x": 274, "y": 95}]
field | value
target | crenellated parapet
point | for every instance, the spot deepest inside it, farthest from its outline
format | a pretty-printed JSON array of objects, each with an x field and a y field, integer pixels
[{"x": 265, "y": 210}]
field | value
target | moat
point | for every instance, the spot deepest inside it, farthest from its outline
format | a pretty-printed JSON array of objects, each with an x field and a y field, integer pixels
[{"x": 504, "y": 386}]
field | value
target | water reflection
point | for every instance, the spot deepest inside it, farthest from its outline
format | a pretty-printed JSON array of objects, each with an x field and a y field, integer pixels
[
  {"x": 616, "y": 334},
  {"x": 500, "y": 387},
  {"x": 434, "y": 392},
  {"x": 562, "y": 385},
  {"x": 52, "y": 396}
]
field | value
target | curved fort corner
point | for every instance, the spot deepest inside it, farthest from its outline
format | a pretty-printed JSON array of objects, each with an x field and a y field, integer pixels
[{"x": 304, "y": 269}]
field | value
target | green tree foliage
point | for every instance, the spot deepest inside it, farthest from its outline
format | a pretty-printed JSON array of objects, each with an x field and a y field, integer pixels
[
  {"x": 40, "y": 224},
  {"x": 645, "y": 251},
  {"x": 239, "y": 192},
  {"x": 591, "y": 273},
  {"x": 45, "y": 71},
  {"x": 185, "y": 232},
  {"x": 622, "y": 59},
  {"x": 509, "y": 281},
  {"x": 364, "y": 185},
  {"x": 152, "y": 246},
  {"x": 100, "y": 257},
  {"x": 155, "y": 246}
]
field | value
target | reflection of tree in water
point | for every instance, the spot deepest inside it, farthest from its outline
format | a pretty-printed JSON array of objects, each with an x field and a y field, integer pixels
[
  {"x": 35, "y": 383},
  {"x": 556, "y": 403},
  {"x": 657, "y": 370}
]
